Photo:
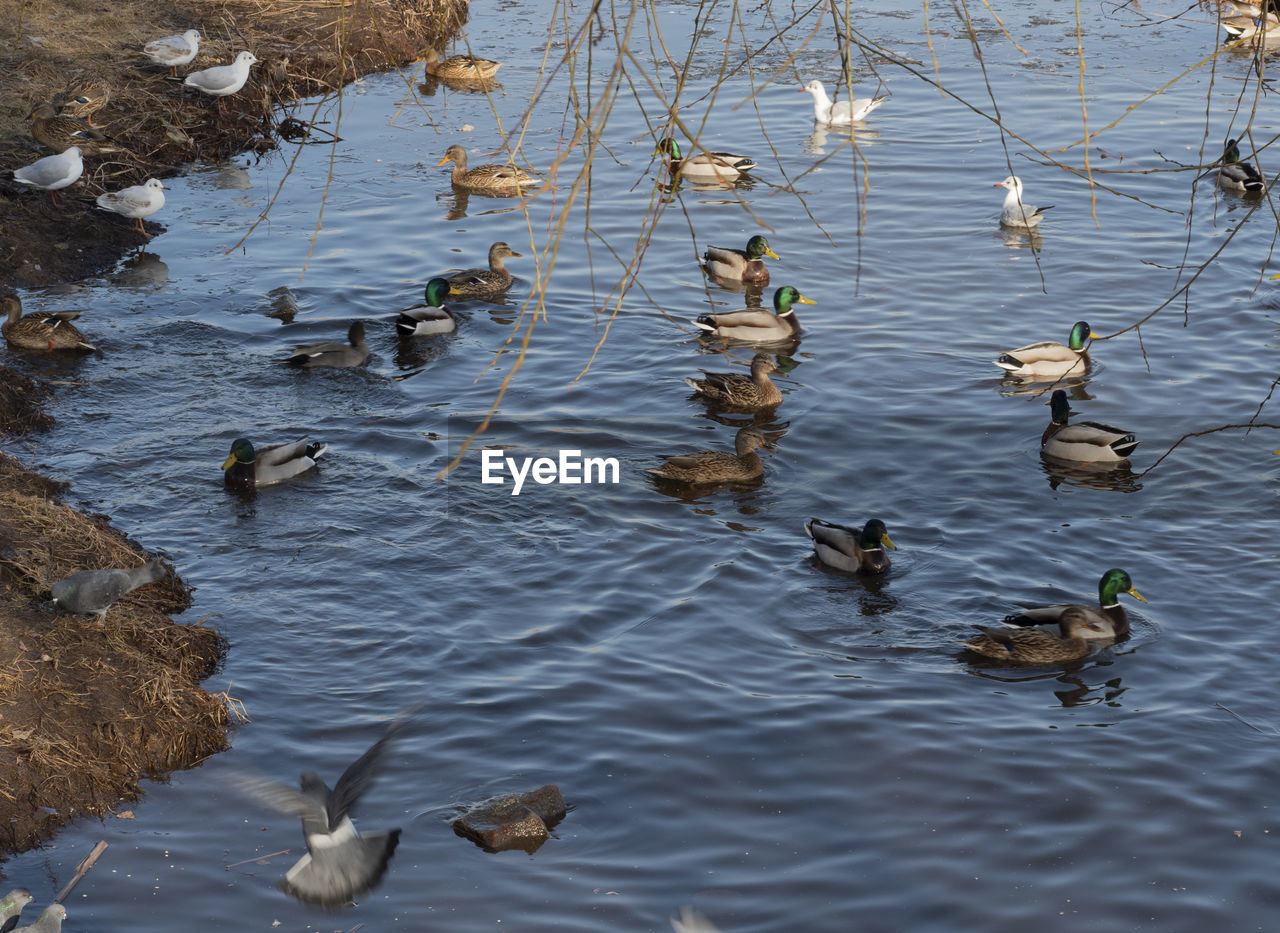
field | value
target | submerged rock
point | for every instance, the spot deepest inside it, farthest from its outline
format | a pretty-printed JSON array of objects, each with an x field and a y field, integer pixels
[{"x": 513, "y": 821}]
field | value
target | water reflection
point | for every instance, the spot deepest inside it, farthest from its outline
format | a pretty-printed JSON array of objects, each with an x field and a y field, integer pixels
[
  {"x": 141, "y": 270},
  {"x": 1071, "y": 683},
  {"x": 1021, "y": 238},
  {"x": 1116, "y": 477},
  {"x": 860, "y": 134},
  {"x": 1074, "y": 386}
]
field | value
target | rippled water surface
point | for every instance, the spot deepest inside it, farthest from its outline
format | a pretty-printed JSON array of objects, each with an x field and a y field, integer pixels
[{"x": 734, "y": 727}]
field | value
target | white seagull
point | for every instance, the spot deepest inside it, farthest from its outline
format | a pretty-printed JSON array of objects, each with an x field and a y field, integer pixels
[
  {"x": 52, "y": 173},
  {"x": 136, "y": 201},
  {"x": 824, "y": 111},
  {"x": 1016, "y": 212},
  {"x": 223, "y": 80},
  {"x": 172, "y": 51}
]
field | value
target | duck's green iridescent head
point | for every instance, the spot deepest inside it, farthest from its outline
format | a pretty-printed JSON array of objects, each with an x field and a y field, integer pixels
[
  {"x": 1231, "y": 152},
  {"x": 1079, "y": 334},
  {"x": 437, "y": 291},
  {"x": 668, "y": 147},
  {"x": 1114, "y": 582},
  {"x": 1060, "y": 407},
  {"x": 785, "y": 297},
  {"x": 758, "y": 246},
  {"x": 241, "y": 452},
  {"x": 875, "y": 535}
]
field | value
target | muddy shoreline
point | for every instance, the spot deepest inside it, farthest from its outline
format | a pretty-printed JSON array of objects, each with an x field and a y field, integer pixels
[{"x": 87, "y": 710}]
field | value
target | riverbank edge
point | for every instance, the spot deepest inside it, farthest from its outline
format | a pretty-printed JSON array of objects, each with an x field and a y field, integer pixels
[{"x": 88, "y": 709}]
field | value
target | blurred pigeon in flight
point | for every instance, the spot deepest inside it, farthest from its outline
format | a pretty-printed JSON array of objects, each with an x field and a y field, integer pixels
[
  {"x": 11, "y": 908},
  {"x": 340, "y": 864},
  {"x": 49, "y": 921},
  {"x": 95, "y": 590}
]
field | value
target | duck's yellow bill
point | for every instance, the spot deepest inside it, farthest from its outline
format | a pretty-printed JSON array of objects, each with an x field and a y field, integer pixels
[
  {"x": 230, "y": 460},
  {"x": 1133, "y": 591},
  {"x": 769, "y": 252},
  {"x": 885, "y": 540},
  {"x": 805, "y": 301}
]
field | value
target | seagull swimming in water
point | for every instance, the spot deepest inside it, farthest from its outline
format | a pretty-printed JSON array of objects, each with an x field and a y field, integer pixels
[{"x": 1016, "y": 213}]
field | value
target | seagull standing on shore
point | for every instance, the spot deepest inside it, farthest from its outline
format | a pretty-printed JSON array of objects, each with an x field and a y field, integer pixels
[
  {"x": 52, "y": 173},
  {"x": 136, "y": 201},
  {"x": 172, "y": 51},
  {"x": 223, "y": 80}
]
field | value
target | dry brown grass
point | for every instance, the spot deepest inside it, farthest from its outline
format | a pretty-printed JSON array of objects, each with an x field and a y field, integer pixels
[{"x": 86, "y": 709}]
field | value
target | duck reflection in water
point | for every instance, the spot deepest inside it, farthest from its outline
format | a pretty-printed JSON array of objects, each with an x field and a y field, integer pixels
[{"x": 1116, "y": 477}]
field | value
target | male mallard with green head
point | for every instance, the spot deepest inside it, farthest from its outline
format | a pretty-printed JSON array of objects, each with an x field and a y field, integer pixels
[
  {"x": 751, "y": 325},
  {"x": 1049, "y": 359},
  {"x": 430, "y": 318},
  {"x": 740, "y": 265},
  {"x": 848, "y": 548},
  {"x": 1108, "y": 611},
  {"x": 249, "y": 467},
  {"x": 1085, "y": 441},
  {"x": 705, "y": 166}
]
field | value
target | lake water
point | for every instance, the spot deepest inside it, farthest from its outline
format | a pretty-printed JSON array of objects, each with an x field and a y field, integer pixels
[{"x": 782, "y": 746}]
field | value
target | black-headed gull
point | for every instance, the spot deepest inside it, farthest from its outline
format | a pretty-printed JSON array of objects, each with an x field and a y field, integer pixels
[
  {"x": 1016, "y": 213},
  {"x": 52, "y": 173},
  {"x": 172, "y": 51},
  {"x": 824, "y": 111},
  {"x": 223, "y": 80},
  {"x": 136, "y": 201}
]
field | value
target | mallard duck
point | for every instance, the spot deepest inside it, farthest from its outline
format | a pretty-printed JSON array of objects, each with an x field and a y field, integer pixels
[
  {"x": 52, "y": 173},
  {"x": 1108, "y": 611},
  {"x": 222, "y": 81},
  {"x": 136, "y": 201},
  {"x": 1086, "y": 441},
  {"x": 740, "y": 265},
  {"x": 1015, "y": 212},
  {"x": 1237, "y": 175},
  {"x": 1049, "y": 359},
  {"x": 737, "y": 390},
  {"x": 1033, "y": 646},
  {"x": 485, "y": 283},
  {"x": 333, "y": 353},
  {"x": 59, "y": 132},
  {"x": 754, "y": 326},
  {"x": 461, "y": 67},
  {"x": 1247, "y": 21},
  {"x": 848, "y": 548},
  {"x": 93, "y": 591},
  {"x": 705, "y": 166},
  {"x": 248, "y": 467},
  {"x": 40, "y": 331},
  {"x": 83, "y": 100},
  {"x": 172, "y": 51},
  {"x": 429, "y": 318},
  {"x": 717, "y": 466},
  {"x": 824, "y": 111},
  {"x": 488, "y": 177}
]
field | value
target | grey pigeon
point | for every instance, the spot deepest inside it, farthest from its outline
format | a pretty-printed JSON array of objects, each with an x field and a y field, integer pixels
[
  {"x": 352, "y": 353},
  {"x": 11, "y": 908},
  {"x": 340, "y": 864},
  {"x": 95, "y": 590},
  {"x": 49, "y": 921}
]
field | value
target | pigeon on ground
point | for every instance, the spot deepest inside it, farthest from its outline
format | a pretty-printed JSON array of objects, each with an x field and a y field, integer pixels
[
  {"x": 95, "y": 590},
  {"x": 340, "y": 864},
  {"x": 11, "y": 908},
  {"x": 49, "y": 921}
]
